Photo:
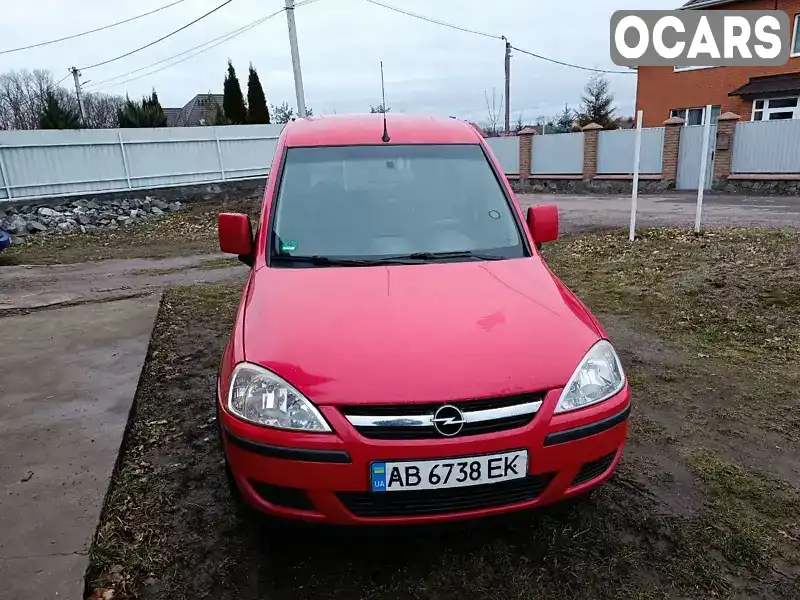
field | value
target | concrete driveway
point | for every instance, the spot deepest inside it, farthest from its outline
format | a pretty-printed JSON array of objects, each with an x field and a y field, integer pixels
[
  {"x": 74, "y": 339},
  {"x": 68, "y": 379},
  {"x": 590, "y": 213}
]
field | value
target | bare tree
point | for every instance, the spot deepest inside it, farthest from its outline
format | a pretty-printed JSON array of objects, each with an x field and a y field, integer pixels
[
  {"x": 101, "y": 110},
  {"x": 494, "y": 113},
  {"x": 23, "y": 96}
]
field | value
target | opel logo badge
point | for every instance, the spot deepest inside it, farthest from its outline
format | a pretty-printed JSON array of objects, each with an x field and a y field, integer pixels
[{"x": 448, "y": 420}]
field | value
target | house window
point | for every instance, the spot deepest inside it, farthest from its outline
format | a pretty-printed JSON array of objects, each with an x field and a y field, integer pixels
[
  {"x": 695, "y": 116},
  {"x": 796, "y": 42},
  {"x": 775, "y": 109}
]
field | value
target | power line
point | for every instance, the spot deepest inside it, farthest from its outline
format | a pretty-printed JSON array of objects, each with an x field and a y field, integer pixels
[
  {"x": 431, "y": 20},
  {"x": 496, "y": 37},
  {"x": 70, "y": 37},
  {"x": 163, "y": 60},
  {"x": 60, "y": 81},
  {"x": 161, "y": 39},
  {"x": 225, "y": 35},
  {"x": 566, "y": 64},
  {"x": 220, "y": 40}
]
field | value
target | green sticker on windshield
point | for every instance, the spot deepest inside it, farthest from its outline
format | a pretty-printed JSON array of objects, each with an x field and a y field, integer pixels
[{"x": 289, "y": 246}]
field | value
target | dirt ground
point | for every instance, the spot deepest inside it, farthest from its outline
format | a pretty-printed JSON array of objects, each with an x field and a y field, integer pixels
[{"x": 705, "y": 503}]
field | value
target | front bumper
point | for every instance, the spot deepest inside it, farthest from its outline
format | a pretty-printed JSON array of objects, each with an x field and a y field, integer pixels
[{"x": 326, "y": 477}]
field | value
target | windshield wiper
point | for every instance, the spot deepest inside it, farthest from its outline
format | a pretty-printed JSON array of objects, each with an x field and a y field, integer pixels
[
  {"x": 449, "y": 255},
  {"x": 326, "y": 261}
]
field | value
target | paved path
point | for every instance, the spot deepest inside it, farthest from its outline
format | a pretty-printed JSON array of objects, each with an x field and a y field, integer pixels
[
  {"x": 589, "y": 213},
  {"x": 68, "y": 379},
  {"x": 34, "y": 287},
  {"x": 68, "y": 374}
]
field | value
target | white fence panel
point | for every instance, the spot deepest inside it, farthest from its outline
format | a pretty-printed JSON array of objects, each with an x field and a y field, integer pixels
[
  {"x": 616, "y": 150},
  {"x": 5, "y": 191},
  {"x": 689, "y": 153},
  {"x": 506, "y": 149},
  {"x": 557, "y": 154},
  {"x": 767, "y": 147},
  {"x": 59, "y": 163}
]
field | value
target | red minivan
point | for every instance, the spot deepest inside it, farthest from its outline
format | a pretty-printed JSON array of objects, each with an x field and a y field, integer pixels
[{"x": 401, "y": 352}]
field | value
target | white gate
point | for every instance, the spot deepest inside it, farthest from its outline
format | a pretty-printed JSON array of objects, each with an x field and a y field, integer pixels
[{"x": 691, "y": 147}]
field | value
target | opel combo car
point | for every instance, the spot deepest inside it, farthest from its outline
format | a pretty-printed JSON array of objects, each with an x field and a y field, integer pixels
[{"x": 402, "y": 353}]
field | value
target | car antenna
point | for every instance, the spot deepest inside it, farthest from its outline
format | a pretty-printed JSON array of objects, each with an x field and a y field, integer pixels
[{"x": 385, "y": 137}]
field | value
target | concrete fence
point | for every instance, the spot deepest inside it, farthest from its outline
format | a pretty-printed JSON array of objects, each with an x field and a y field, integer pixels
[{"x": 41, "y": 164}]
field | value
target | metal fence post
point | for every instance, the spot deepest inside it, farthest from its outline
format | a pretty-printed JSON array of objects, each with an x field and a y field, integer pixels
[
  {"x": 219, "y": 154},
  {"x": 637, "y": 155},
  {"x": 703, "y": 164},
  {"x": 4, "y": 174},
  {"x": 124, "y": 159}
]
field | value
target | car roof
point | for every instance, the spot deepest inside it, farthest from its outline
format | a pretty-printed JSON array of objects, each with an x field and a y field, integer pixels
[{"x": 351, "y": 130}]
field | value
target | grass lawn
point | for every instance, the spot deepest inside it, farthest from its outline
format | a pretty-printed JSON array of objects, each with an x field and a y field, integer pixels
[
  {"x": 193, "y": 230},
  {"x": 705, "y": 504}
]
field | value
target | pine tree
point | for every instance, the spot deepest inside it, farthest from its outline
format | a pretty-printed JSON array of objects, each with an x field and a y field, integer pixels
[
  {"x": 257, "y": 111},
  {"x": 155, "y": 113},
  {"x": 597, "y": 104},
  {"x": 232, "y": 99},
  {"x": 564, "y": 120},
  {"x": 147, "y": 113},
  {"x": 215, "y": 115},
  {"x": 56, "y": 116}
]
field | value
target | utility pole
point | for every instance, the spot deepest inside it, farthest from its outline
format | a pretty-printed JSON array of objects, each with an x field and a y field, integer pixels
[
  {"x": 76, "y": 76},
  {"x": 298, "y": 75},
  {"x": 508, "y": 86}
]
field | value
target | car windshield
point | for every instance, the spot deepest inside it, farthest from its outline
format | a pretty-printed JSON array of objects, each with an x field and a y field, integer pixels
[{"x": 436, "y": 202}]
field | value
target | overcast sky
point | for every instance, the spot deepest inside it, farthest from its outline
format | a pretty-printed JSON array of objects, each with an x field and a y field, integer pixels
[{"x": 429, "y": 68}]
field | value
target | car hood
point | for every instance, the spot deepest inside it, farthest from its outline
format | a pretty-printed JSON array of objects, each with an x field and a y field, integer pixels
[{"x": 416, "y": 333}]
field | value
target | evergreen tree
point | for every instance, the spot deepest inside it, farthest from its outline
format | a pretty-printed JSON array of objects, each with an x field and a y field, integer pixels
[
  {"x": 257, "y": 111},
  {"x": 564, "y": 120},
  {"x": 147, "y": 113},
  {"x": 57, "y": 116},
  {"x": 232, "y": 99},
  {"x": 283, "y": 113},
  {"x": 155, "y": 112},
  {"x": 215, "y": 115},
  {"x": 596, "y": 106}
]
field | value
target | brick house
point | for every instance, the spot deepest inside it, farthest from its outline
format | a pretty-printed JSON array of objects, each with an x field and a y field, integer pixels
[{"x": 754, "y": 93}]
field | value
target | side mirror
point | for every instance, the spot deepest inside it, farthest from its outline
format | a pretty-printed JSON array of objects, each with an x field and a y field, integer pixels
[
  {"x": 543, "y": 223},
  {"x": 236, "y": 236}
]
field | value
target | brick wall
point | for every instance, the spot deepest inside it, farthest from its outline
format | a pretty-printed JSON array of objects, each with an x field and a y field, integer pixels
[{"x": 660, "y": 89}]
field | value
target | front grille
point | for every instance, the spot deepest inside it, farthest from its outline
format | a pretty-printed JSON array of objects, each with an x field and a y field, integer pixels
[
  {"x": 282, "y": 496},
  {"x": 594, "y": 469},
  {"x": 434, "y": 502},
  {"x": 421, "y": 433}
]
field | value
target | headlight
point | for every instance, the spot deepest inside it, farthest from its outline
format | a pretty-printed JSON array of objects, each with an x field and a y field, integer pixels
[
  {"x": 261, "y": 397},
  {"x": 598, "y": 377}
]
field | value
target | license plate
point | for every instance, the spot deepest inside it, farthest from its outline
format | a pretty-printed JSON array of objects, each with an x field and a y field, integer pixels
[{"x": 448, "y": 472}]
